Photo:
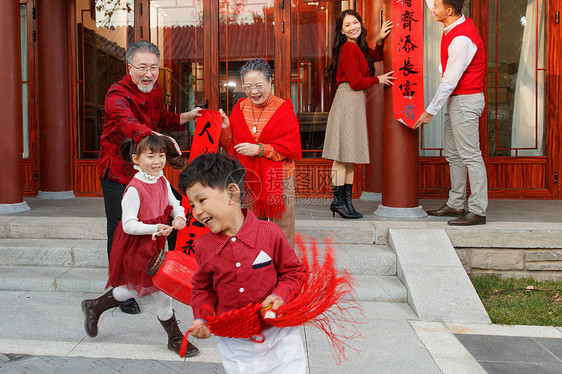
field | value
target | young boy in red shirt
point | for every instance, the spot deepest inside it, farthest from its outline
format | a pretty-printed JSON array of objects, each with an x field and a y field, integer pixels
[{"x": 242, "y": 260}]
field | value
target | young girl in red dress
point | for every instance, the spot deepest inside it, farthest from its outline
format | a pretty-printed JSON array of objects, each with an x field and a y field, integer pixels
[{"x": 147, "y": 204}]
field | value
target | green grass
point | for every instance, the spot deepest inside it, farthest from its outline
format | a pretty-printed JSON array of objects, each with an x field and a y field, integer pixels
[{"x": 520, "y": 301}]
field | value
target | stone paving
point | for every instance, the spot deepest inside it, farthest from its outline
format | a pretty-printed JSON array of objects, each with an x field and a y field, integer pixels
[
  {"x": 515, "y": 354},
  {"x": 17, "y": 363}
]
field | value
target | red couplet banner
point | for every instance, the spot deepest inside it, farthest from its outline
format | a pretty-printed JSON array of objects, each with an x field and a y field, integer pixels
[
  {"x": 205, "y": 140},
  {"x": 407, "y": 60}
]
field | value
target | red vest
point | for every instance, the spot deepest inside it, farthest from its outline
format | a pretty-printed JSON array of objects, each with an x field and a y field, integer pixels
[{"x": 472, "y": 80}]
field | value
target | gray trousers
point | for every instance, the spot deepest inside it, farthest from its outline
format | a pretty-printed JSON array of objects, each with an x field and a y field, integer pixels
[{"x": 461, "y": 147}]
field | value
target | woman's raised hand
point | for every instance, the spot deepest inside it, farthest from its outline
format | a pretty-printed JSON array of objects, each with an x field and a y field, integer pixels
[
  {"x": 385, "y": 30},
  {"x": 387, "y": 79}
]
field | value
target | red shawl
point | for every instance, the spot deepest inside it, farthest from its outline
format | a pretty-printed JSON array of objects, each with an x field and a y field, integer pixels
[{"x": 264, "y": 177}]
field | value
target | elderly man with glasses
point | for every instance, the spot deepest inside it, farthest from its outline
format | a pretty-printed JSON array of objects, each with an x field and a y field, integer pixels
[{"x": 133, "y": 109}]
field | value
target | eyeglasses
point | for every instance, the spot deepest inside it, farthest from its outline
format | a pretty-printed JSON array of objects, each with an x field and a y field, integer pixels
[
  {"x": 259, "y": 87},
  {"x": 146, "y": 69}
]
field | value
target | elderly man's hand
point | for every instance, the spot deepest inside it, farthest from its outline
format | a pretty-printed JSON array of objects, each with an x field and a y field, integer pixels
[
  {"x": 424, "y": 119},
  {"x": 176, "y": 145},
  {"x": 190, "y": 116}
]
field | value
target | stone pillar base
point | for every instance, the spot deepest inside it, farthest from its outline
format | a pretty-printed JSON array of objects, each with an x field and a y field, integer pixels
[
  {"x": 400, "y": 213},
  {"x": 43, "y": 195},
  {"x": 14, "y": 208}
]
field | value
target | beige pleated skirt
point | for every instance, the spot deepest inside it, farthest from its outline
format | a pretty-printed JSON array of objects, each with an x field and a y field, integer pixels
[{"x": 346, "y": 137}]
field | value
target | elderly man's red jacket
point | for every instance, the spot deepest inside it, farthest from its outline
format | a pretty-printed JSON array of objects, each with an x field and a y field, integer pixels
[{"x": 130, "y": 113}]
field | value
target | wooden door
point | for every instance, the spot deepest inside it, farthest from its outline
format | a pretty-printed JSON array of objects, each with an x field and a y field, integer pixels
[{"x": 554, "y": 87}]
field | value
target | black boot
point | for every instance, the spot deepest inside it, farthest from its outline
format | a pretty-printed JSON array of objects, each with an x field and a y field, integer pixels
[
  {"x": 348, "y": 189},
  {"x": 93, "y": 308},
  {"x": 339, "y": 205},
  {"x": 130, "y": 306},
  {"x": 175, "y": 337}
]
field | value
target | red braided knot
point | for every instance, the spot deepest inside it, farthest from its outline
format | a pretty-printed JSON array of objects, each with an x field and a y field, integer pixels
[{"x": 239, "y": 323}]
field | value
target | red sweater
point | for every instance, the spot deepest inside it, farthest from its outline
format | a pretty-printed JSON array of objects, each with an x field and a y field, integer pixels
[
  {"x": 472, "y": 80},
  {"x": 130, "y": 113},
  {"x": 353, "y": 68}
]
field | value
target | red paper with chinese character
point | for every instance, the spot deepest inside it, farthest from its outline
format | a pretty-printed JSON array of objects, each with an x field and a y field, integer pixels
[
  {"x": 205, "y": 140},
  {"x": 407, "y": 60}
]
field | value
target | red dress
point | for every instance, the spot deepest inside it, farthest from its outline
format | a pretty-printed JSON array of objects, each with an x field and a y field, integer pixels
[{"x": 130, "y": 254}]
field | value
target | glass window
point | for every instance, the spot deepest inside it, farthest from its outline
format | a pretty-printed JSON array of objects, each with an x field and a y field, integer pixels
[
  {"x": 516, "y": 77},
  {"x": 104, "y": 28},
  {"x": 176, "y": 27},
  {"x": 311, "y": 53},
  {"x": 24, "y": 80},
  {"x": 245, "y": 33}
]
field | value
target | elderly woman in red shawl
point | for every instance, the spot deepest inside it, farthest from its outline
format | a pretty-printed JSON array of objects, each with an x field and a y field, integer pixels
[{"x": 263, "y": 133}]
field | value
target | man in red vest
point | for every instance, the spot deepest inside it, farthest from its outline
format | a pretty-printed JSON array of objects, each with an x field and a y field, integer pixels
[
  {"x": 463, "y": 63},
  {"x": 133, "y": 109}
]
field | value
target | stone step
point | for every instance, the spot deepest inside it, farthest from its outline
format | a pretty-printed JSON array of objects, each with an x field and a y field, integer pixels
[
  {"x": 379, "y": 288},
  {"x": 93, "y": 280},
  {"x": 88, "y": 253},
  {"x": 52, "y": 279},
  {"x": 363, "y": 259},
  {"x": 53, "y": 227},
  {"x": 54, "y": 252},
  {"x": 359, "y": 232},
  {"x": 492, "y": 235},
  {"x": 339, "y": 232}
]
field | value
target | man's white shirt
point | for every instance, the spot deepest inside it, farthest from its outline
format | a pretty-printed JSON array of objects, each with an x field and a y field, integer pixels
[{"x": 461, "y": 52}]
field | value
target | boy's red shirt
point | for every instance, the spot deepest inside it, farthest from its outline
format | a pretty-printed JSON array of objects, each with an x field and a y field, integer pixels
[
  {"x": 235, "y": 271},
  {"x": 130, "y": 113}
]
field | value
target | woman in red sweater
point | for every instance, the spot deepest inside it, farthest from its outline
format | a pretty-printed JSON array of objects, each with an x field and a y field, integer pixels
[{"x": 352, "y": 69}]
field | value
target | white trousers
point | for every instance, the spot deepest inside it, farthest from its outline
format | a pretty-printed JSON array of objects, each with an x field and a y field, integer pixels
[
  {"x": 461, "y": 147},
  {"x": 282, "y": 352},
  {"x": 163, "y": 302}
]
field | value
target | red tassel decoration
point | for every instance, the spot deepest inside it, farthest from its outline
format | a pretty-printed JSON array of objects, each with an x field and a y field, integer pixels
[
  {"x": 183, "y": 346},
  {"x": 320, "y": 301}
]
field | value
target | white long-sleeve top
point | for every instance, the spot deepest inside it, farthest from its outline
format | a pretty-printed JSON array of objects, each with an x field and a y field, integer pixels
[
  {"x": 130, "y": 205},
  {"x": 461, "y": 52}
]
